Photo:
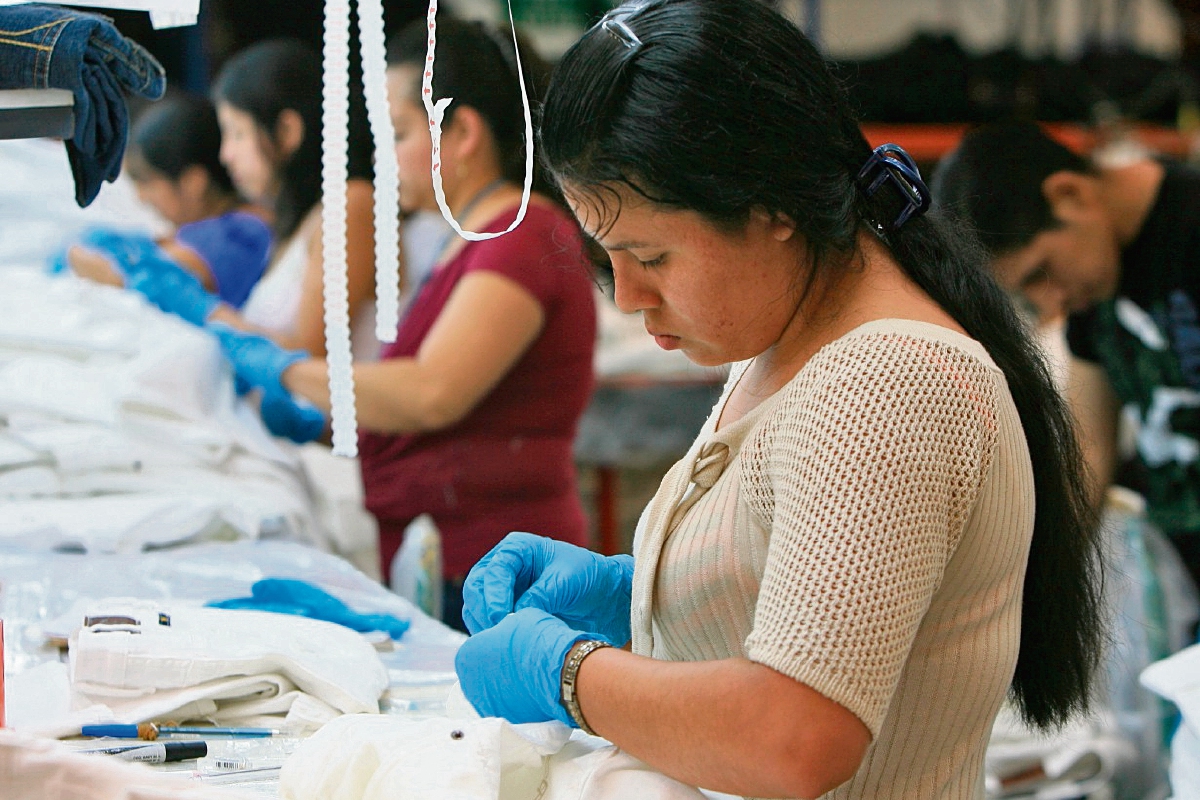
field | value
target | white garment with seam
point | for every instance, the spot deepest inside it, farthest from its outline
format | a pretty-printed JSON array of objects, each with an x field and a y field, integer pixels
[{"x": 199, "y": 645}]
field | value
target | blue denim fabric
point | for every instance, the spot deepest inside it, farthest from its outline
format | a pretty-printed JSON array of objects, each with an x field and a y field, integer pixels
[{"x": 46, "y": 47}]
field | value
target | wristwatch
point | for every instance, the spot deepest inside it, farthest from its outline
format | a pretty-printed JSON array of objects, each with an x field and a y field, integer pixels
[{"x": 570, "y": 671}]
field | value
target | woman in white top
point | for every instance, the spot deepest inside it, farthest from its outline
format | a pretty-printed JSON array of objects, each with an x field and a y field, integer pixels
[
  {"x": 268, "y": 101},
  {"x": 882, "y": 529}
]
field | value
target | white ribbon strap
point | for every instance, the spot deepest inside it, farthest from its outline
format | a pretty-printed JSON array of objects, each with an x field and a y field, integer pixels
[{"x": 436, "y": 113}]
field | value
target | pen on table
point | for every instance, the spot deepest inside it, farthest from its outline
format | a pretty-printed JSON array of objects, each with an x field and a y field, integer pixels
[
  {"x": 241, "y": 775},
  {"x": 151, "y": 731},
  {"x": 154, "y": 752}
]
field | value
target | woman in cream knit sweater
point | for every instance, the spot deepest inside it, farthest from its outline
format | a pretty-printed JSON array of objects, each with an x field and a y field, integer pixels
[{"x": 881, "y": 531}]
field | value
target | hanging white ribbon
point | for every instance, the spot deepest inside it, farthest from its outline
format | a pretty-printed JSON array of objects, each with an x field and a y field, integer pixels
[
  {"x": 387, "y": 176},
  {"x": 334, "y": 174},
  {"x": 334, "y": 171},
  {"x": 436, "y": 113}
]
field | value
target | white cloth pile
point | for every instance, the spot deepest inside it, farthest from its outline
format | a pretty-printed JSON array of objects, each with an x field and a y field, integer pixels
[
  {"x": 467, "y": 758},
  {"x": 121, "y": 430},
  {"x": 137, "y": 660},
  {"x": 1178, "y": 679}
]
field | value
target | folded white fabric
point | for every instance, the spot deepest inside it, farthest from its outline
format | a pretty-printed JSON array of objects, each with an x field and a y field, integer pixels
[
  {"x": 390, "y": 758},
  {"x": 194, "y": 652},
  {"x": 103, "y": 394},
  {"x": 1178, "y": 679},
  {"x": 42, "y": 769}
]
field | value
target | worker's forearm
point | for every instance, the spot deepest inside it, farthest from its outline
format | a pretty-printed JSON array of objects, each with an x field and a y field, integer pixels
[
  {"x": 390, "y": 397},
  {"x": 731, "y": 725}
]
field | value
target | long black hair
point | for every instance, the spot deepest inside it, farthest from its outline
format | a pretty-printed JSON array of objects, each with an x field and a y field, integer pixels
[
  {"x": 476, "y": 65},
  {"x": 178, "y": 132},
  {"x": 268, "y": 78},
  {"x": 722, "y": 107}
]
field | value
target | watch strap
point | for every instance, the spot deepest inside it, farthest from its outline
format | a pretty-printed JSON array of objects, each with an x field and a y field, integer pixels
[{"x": 570, "y": 672}]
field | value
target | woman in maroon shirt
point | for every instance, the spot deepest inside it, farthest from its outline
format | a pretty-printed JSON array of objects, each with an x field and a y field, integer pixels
[{"x": 472, "y": 412}]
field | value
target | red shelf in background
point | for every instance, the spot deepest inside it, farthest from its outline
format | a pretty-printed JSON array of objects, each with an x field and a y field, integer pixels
[{"x": 929, "y": 142}]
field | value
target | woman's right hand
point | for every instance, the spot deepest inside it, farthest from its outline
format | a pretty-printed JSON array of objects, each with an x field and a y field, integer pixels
[{"x": 588, "y": 591}]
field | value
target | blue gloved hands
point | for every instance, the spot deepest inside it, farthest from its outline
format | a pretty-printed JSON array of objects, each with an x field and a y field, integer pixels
[
  {"x": 258, "y": 363},
  {"x": 130, "y": 252},
  {"x": 586, "y": 590},
  {"x": 514, "y": 668},
  {"x": 173, "y": 289},
  {"x": 293, "y": 419}
]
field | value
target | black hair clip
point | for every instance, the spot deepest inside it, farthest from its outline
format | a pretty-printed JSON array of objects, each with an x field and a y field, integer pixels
[
  {"x": 889, "y": 163},
  {"x": 614, "y": 24}
]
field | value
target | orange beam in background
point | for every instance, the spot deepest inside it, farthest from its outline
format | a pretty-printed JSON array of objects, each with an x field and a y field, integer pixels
[{"x": 929, "y": 142}]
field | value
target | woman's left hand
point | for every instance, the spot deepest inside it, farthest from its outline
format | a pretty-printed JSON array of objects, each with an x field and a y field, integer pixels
[{"x": 514, "y": 669}]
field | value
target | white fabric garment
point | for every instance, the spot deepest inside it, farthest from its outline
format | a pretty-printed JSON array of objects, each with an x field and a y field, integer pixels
[
  {"x": 196, "y": 646},
  {"x": 38, "y": 211},
  {"x": 42, "y": 769},
  {"x": 385, "y": 758},
  {"x": 122, "y": 429},
  {"x": 1178, "y": 679},
  {"x": 274, "y": 302}
]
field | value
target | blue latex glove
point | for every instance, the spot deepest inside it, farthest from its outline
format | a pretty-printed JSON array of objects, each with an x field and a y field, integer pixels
[
  {"x": 258, "y": 363},
  {"x": 130, "y": 252},
  {"x": 588, "y": 591},
  {"x": 514, "y": 669},
  {"x": 58, "y": 263},
  {"x": 290, "y": 418},
  {"x": 289, "y": 596},
  {"x": 173, "y": 289},
  {"x": 127, "y": 251}
]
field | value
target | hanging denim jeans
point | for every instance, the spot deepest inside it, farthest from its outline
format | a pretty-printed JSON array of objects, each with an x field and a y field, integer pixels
[{"x": 46, "y": 47}]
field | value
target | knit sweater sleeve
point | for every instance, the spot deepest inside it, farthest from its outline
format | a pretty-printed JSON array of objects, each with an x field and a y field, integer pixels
[{"x": 865, "y": 476}]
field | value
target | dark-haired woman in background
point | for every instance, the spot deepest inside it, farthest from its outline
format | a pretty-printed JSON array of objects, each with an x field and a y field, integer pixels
[
  {"x": 173, "y": 159},
  {"x": 470, "y": 415},
  {"x": 268, "y": 100},
  {"x": 269, "y": 104},
  {"x": 881, "y": 530}
]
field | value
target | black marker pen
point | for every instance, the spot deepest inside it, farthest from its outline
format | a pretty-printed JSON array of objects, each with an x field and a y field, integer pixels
[{"x": 162, "y": 752}]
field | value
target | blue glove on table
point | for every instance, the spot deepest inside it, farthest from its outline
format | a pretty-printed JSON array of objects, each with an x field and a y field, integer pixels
[
  {"x": 258, "y": 363},
  {"x": 514, "y": 669},
  {"x": 290, "y": 596},
  {"x": 588, "y": 591}
]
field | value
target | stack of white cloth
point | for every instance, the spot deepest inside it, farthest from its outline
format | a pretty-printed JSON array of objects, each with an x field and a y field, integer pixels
[
  {"x": 138, "y": 660},
  {"x": 121, "y": 430}
]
